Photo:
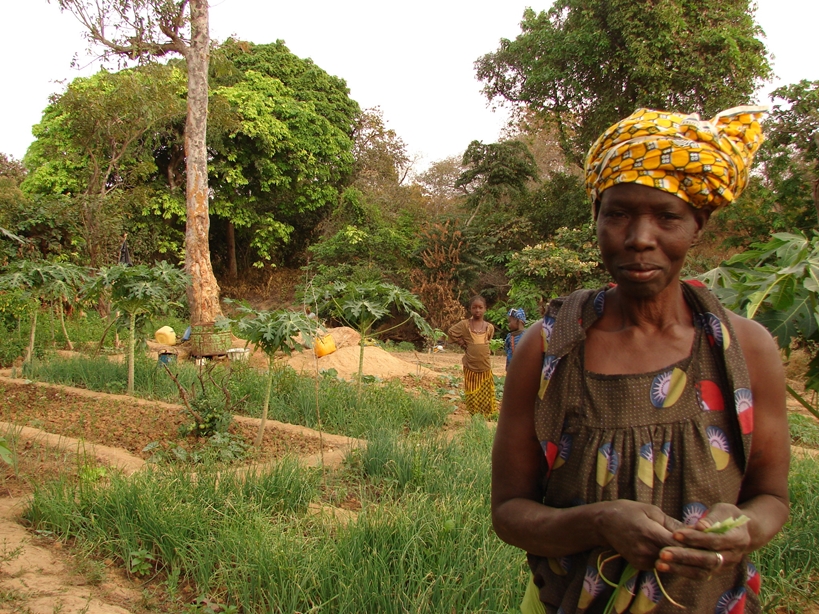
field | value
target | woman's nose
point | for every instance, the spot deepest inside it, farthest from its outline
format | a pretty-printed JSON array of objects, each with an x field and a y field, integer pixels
[{"x": 641, "y": 234}]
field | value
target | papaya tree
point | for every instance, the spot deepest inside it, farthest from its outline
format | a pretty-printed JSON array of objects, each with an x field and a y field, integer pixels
[
  {"x": 41, "y": 282},
  {"x": 362, "y": 306},
  {"x": 777, "y": 284},
  {"x": 140, "y": 290},
  {"x": 272, "y": 331}
]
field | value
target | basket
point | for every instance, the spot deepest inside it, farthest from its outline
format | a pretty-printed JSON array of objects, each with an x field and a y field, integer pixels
[
  {"x": 207, "y": 341},
  {"x": 238, "y": 354}
]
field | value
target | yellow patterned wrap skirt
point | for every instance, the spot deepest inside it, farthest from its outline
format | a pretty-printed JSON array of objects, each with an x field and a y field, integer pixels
[{"x": 480, "y": 392}]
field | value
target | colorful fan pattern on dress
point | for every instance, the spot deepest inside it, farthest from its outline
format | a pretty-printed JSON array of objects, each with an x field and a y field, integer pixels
[
  {"x": 754, "y": 578},
  {"x": 693, "y": 512},
  {"x": 550, "y": 453},
  {"x": 645, "y": 465},
  {"x": 546, "y": 331},
  {"x": 731, "y": 602},
  {"x": 564, "y": 448},
  {"x": 667, "y": 388},
  {"x": 744, "y": 402},
  {"x": 560, "y": 566},
  {"x": 664, "y": 462},
  {"x": 549, "y": 365},
  {"x": 710, "y": 396},
  {"x": 600, "y": 303},
  {"x": 715, "y": 331},
  {"x": 648, "y": 595},
  {"x": 608, "y": 462},
  {"x": 624, "y": 594},
  {"x": 592, "y": 587},
  {"x": 720, "y": 450}
]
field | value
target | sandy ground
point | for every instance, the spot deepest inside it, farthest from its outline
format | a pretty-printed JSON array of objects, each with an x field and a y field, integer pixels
[{"x": 38, "y": 577}]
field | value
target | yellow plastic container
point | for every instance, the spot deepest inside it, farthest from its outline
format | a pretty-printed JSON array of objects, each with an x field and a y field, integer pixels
[
  {"x": 324, "y": 345},
  {"x": 165, "y": 336}
]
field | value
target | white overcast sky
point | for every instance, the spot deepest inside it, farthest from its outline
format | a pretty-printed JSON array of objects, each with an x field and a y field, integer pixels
[{"x": 413, "y": 59}]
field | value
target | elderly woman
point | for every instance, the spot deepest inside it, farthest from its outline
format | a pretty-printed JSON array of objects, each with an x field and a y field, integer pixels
[{"x": 639, "y": 416}]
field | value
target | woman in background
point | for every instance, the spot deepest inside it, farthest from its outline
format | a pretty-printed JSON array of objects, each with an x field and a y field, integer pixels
[
  {"x": 516, "y": 318},
  {"x": 473, "y": 335}
]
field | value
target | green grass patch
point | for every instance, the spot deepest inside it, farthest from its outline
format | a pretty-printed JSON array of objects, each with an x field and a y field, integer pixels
[
  {"x": 428, "y": 547},
  {"x": 422, "y": 542},
  {"x": 804, "y": 430},
  {"x": 789, "y": 564},
  {"x": 379, "y": 406}
]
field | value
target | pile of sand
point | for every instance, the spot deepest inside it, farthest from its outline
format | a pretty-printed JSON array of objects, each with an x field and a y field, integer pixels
[{"x": 344, "y": 360}]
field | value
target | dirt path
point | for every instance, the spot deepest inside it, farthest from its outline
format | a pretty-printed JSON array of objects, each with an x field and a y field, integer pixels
[{"x": 38, "y": 577}]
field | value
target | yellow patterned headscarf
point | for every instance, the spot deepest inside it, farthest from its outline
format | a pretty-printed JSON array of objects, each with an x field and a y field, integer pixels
[{"x": 704, "y": 162}]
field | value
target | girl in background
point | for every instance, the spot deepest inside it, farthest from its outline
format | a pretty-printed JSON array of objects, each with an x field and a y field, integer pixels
[
  {"x": 517, "y": 325},
  {"x": 473, "y": 335}
]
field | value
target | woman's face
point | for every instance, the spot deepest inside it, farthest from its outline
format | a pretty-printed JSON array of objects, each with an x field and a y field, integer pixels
[
  {"x": 477, "y": 309},
  {"x": 644, "y": 235}
]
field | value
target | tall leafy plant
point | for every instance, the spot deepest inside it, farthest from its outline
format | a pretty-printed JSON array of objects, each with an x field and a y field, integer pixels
[
  {"x": 777, "y": 284},
  {"x": 272, "y": 331},
  {"x": 41, "y": 282},
  {"x": 140, "y": 290},
  {"x": 362, "y": 306}
]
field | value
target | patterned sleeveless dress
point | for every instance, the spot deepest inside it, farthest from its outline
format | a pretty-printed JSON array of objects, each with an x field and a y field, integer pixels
[{"x": 676, "y": 438}]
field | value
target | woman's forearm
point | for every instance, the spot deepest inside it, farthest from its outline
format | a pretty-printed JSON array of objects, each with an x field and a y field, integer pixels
[
  {"x": 547, "y": 531},
  {"x": 768, "y": 515}
]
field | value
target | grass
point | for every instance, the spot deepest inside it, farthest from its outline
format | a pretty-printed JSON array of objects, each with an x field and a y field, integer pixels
[
  {"x": 790, "y": 563},
  {"x": 421, "y": 542},
  {"x": 425, "y": 544},
  {"x": 804, "y": 430},
  {"x": 343, "y": 411}
]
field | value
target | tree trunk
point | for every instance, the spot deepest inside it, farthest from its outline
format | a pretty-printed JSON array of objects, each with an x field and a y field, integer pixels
[
  {"x": 360, "y": 366},
  {"x": 233, "y": 269},
  {"x": 266, "y": 406},
  {"x": 203, "y": 293},
  {"x": 31, "y": 337},
  {"x": 68, "y": 343},
  {"x": 131, "y": 344}
]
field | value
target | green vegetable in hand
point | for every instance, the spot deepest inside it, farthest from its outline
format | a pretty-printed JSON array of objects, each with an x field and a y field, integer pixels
[{"x": 726, "y": 525}]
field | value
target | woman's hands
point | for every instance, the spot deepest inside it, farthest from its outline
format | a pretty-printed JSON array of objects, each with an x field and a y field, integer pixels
[
  {"x": 699, "y": 555},
  {"x": 637, "y": 531}
]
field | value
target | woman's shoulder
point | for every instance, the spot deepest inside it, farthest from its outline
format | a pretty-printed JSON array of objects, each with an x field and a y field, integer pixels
[{"x": 755, "y": 340}]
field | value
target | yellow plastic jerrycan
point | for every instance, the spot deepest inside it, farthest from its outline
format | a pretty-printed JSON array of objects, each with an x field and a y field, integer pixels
[
  {"x": 324, "y": 345},
  {"x": 165, "y": 336}
]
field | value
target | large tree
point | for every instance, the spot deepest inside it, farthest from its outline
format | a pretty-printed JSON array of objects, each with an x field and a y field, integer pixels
[
  {"x": 97, "y": 140},
  {"x": 142, "y": 29},
  {"x": 281, "y": 149},
  {"x": 584, "y": 64},
  {"x": 790, "y": 155},
  {"x": 496, "y": 175}
]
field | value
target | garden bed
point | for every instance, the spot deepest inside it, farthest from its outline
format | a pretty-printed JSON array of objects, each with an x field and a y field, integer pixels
[{"x": 132, "y": 424}]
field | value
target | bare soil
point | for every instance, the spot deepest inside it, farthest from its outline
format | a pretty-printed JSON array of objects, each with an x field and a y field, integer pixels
[{"x": 124, "y": 423}]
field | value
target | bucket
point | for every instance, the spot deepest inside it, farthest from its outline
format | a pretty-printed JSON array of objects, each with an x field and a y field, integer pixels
[
  {"x": 207, "y": 341},
  {"x": 324, "y": 345},
  {"x": 167, "y": 358},
  {"x": 238, "y": 354}
]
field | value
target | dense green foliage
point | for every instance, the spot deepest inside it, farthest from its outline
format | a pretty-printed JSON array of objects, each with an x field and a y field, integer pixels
[
  {"x": 280, "y": 146},
  {"x": 585, "y": 64}
]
